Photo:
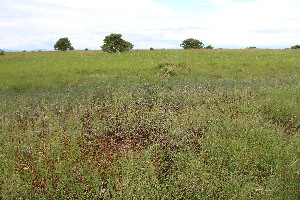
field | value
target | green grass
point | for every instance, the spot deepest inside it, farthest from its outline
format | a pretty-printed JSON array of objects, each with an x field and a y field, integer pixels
[
  {"x": 36, "y": 70},
  {"x": 163, "y": 124}
]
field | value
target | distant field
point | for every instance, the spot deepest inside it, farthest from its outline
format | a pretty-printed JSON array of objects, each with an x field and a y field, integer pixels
[
  {"x": 34, "y": 70},
  {"x": 162, "y": 124}
]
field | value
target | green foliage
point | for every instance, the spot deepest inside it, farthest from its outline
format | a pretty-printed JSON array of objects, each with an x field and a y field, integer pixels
[
  {"x": 2, "y": 52},
  {"x": 63, "y": 44},
  {"x": 86, "y": 126},
  {"x": 285, "y": 113},
  {"x": 209, "y": 47},
  {"x": 114, "y": 43},
  {"x": 151, "y": 48},
  {"x": 160, "y": 139},
  {"x": 86, "y": 49},
  {"x": 251, "y": 47},
  {"x": 295, "y": 47},
  {"x": 192, "y": 44}
]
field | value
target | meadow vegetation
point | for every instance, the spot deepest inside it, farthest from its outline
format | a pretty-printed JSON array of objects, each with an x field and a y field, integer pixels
[{"x": 163, "y": 124}]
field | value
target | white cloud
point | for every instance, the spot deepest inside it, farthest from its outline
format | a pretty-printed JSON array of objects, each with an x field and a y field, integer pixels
[
  {"x": 215, "y": 3},
  {"x": 40, "y": 23},
  {"x": 81, "y": 21},
  {"x": 260, "y": 22}
]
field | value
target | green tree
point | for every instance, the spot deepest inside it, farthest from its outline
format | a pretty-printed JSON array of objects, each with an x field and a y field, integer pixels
[
  {"x": 114, "y": 43},
  {"x": 2, "y": 52},
  {"x": 192, "y": 43},
  {"x": 295, "y": 47},
  {"x": 209, "y": 47},
  {"x": 63, "y": 44}
]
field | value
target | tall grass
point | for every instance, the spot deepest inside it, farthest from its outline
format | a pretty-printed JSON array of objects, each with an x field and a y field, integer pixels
[{"x": 163, "y": 124}]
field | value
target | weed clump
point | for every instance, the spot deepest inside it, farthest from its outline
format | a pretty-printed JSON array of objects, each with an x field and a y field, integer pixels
[{"x": 170, "y": 68}]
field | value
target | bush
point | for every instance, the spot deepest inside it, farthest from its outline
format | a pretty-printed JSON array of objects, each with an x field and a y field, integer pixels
[
  {"x": 86, "y": 49},
  {"x": 295, "y": 47},
  {"x": 2, "y": 52},
  {"x": 63, "y": 44},
  {"x": 192, "y": 43},
  {"x": 251, "y": 47},
  {"x": 151, "y": 49},
  {"x": 209, "y": 47},
  {"x": 114, "y": 43}
]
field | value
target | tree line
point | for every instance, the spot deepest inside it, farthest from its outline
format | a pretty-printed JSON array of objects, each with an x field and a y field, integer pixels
[{"x": 114, "y": 43}]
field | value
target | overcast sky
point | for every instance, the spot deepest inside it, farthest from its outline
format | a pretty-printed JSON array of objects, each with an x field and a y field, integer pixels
[{"x": 38, "y": 24}]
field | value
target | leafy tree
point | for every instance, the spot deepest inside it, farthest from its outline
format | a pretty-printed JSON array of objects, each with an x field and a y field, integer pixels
[
  {"x": 86, "y": 49},
  {"x": 209, "y": 47},
  {"x": 295, "y": 47},
  {"x": 114, "y": 43},
  {"x": 192, "y": 43},
  {"x": 151, "y": 48},
  {"x": 63, "y": 44},
  {"x": 2, "y": 52}
]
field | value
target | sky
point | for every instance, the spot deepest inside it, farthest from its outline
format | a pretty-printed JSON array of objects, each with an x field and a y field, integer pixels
[{"x": 38, "y": 24}]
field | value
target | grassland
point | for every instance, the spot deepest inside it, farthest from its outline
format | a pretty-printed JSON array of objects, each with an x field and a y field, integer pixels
[{"x": 166, "y": 124}]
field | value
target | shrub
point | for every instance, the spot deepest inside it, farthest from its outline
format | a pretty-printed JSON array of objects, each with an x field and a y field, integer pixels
[
  {"x": 114, "y": 43},
  {"x": 86, "y": 49},
  {"x": 2, "y": 52},
  {"x": 251, "y": 47},
  {"x": 209, "y": 47},
  {"x": 151, "y": 49},
  {"x": 295, "y": 47},
  {"x": 192, "y": 43},
  {"x": 63, "y": 44}
]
